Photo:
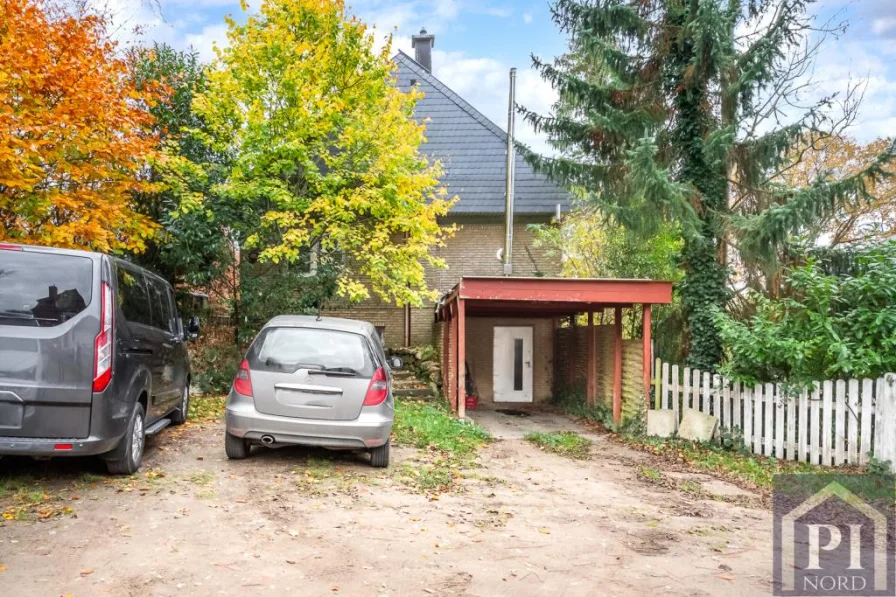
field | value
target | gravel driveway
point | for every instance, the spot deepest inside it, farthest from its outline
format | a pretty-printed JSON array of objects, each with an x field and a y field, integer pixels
[{"x": 311, "y": 523}]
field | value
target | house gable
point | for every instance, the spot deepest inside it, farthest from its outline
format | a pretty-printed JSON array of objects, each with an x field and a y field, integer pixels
[{"x": 473, "y": 152}]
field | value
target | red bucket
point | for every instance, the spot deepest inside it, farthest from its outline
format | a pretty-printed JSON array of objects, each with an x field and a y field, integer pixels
[{"x": 472, "y": 401}]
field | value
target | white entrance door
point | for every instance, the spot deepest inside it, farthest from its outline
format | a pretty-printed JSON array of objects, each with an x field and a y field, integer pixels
[{"x": 513, "y": 364}]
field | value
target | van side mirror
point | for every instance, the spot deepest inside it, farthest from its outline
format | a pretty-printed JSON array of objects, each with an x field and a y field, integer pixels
[
  {"x": 396, "y": 362},
  {"x": 193, "y": 328}
]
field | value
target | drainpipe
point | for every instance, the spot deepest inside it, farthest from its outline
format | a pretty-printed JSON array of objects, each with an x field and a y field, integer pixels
[{"x": 508, "y": 193}]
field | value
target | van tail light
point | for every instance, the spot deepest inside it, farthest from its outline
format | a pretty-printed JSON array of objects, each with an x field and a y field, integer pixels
[
  {"x": 102, "y": 347},
  {"x": 378, "y": 388},
  {"x": 9, "y": 247},
  {"x": 242, "y": 383}
]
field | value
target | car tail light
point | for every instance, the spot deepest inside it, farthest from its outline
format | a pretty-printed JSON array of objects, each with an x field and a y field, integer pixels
[
  {"x": 102, "y": 348},
  {"x": 8, "y": 247},
  {"x": 62, "y": 447},
  {"x": 242, "y": 383},
  {"x": 378, "y": 388}
]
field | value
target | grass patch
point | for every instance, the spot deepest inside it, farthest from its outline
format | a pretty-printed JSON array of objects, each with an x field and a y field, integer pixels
[
  {"x": 649, "y": 473},
  {"x": 429, "y": 478},
  {"x": 446, "y": 446},
  {"x": 431, "y": 425},
  {"x": 565, "y": 443},
  {"x": 202, "y": 478},
  {"x": 206, "y": 409},
  {"x": 747, "y": 469}
]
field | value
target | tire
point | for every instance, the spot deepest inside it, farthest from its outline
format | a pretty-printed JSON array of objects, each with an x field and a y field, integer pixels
[
  {"x": 236, "y": 447},
  {"x": 379, "y": 457},
  {"x": 179, "y": 417},
  {"x": 126, "y": 458}
]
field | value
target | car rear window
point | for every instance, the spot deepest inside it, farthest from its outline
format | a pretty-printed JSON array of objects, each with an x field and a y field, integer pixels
[
  {"x": 43, "y": 289},
  {"x": 288, "y": 349}
]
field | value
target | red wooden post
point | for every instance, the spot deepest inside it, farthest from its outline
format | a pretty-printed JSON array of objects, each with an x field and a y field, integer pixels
[
  {"x": 645, "y": 354},
  {"x": 461, "y": 359},
  {"x": 572, "y": 353},
  {"x": 452, "y": 391},
  {"x": 617, "y": 367},
  {"x": 590, "y": 379}
]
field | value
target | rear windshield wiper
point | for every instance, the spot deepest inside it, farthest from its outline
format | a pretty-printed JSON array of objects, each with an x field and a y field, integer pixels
[
  {"x": 345, "y": 371},
  {"x": 25, "y": 316}
]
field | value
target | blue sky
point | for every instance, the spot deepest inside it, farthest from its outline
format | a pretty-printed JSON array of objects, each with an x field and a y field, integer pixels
[{"x": 477, "y": 41}]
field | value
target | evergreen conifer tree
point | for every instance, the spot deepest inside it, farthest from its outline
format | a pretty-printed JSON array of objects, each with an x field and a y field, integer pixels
[{"x": 670, "y": 111}]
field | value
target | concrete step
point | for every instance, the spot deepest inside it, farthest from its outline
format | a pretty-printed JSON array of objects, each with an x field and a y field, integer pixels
[
  {"x": 407, "y": 383},
  {"x": 413, "y": 392}
]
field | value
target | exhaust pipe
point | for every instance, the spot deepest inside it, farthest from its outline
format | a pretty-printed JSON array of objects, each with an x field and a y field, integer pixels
[{"x": 267, "y": 440}]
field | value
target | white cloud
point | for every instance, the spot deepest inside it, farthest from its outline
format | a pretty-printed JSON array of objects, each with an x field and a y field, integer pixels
[
  {"x": 883, "y": 25},
  {"x": 205, "y": 41},
  {"x": 446, "y": 9},
  {"x": 498, "y": 11},
  {"x": 527, "y": 17}
]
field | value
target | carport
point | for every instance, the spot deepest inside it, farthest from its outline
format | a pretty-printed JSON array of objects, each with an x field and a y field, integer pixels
[{"x": 527, "y": 332}]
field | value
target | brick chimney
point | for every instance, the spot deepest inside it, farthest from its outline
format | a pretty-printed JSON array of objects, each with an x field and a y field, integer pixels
[{"x": 423, "y": 44}]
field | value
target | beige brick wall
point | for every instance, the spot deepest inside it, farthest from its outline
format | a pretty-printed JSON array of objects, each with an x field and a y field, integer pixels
[
  {"x": 480, "y": 354},
  {"x": 473, "y": 252},
  {"x": 470, "y": 252}
]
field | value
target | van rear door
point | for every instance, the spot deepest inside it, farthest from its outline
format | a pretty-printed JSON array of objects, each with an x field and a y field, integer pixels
[{"x": 48, "y": 326}]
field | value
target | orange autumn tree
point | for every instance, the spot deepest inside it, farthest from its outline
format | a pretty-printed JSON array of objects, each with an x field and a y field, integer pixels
[{"x": 75, "y": 140}]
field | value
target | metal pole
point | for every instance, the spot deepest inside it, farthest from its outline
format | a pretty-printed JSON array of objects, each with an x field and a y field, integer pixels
[{"x": 508, "y": 208}]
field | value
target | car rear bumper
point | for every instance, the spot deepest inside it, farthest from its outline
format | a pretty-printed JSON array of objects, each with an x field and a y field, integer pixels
[
  {"x": 38, "y": 446},
  {"x": 370, "y": 430}
]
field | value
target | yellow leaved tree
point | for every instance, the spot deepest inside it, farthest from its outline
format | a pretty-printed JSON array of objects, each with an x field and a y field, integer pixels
[{"x": 324, "y": 151}]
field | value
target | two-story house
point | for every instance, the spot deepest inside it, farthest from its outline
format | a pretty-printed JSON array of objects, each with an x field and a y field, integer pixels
[{"x": 473, "y": 152}]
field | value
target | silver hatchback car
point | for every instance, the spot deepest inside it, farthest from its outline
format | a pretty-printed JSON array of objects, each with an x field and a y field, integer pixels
[{"x": 316, "y": 381}]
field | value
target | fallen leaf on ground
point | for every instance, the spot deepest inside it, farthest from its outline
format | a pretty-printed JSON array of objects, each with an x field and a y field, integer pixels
[
  {"x": 87, "y": 572},
  {"x": 2, "y": 567}
]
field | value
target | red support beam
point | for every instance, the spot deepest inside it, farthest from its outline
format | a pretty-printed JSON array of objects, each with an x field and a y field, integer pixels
[
  {"x": 451, "y": 376},
  {"x": 646, "y": 353},
  {"x": 590, "y": 377},
  {"x": 446, "y": 358},
  {"x": 461, "y": 359},
  {"x": 572, "y": 354},
  {"x": 566, "y": 290},
  {"x": 617, "y": 366}
]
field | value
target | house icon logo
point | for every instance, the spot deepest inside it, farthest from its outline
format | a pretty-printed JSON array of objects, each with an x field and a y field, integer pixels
[{"x": 834, "y": 535}]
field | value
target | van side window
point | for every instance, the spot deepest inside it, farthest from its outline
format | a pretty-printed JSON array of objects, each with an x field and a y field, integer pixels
[
  {"x": 162, "y": 313},
  {"x": 132, "y": 296}
]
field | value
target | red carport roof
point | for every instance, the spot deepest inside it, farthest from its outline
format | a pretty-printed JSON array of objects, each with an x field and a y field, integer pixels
[{"x": 554, "y": 296}]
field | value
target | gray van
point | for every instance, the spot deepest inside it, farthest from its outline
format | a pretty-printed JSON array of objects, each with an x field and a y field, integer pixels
[{"x": 92, "y": 356}]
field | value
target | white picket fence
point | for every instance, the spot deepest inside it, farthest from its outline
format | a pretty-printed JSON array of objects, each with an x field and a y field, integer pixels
[{"x": 837, "y": 422}]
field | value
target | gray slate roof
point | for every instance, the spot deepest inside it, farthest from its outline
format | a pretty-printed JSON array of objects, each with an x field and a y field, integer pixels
[{"x": 473, "y": 151}]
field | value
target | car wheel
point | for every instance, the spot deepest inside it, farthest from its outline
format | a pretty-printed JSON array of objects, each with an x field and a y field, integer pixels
[
  {"x": 179, "y": 417},
  {"x": 126, "y": 458},
  {"x": 379, "y": 457},
  {"x": 236, "y": 448}
]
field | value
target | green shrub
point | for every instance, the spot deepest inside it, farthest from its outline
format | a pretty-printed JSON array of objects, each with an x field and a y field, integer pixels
[{"x": 827, "y": 327}]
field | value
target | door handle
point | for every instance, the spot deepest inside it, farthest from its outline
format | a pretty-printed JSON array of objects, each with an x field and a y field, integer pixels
[{"x": 137, "y": 348}]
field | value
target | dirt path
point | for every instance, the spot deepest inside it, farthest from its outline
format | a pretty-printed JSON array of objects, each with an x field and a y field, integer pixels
[{"x": 526, "y": 523}]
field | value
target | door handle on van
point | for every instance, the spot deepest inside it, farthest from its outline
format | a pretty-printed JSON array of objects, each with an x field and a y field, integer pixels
[{"x": 137, "y": 349}]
